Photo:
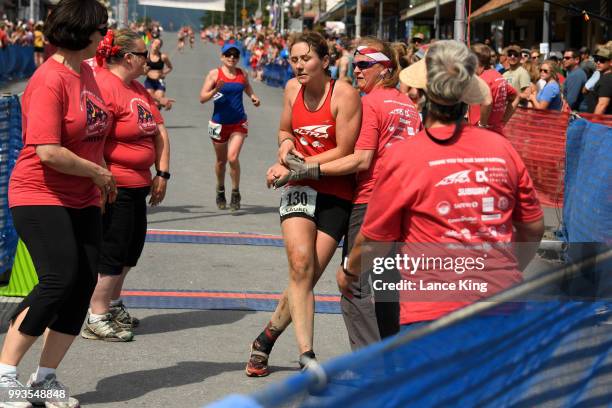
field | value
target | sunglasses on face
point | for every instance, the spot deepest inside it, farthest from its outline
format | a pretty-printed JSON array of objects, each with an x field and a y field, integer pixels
[
  {"x": 143, "y": 54},
  {"x": 525, "y": 55},
  {"x": 103, "y": 30},
  {"x": 567, "y": 57},
  {"x": 415, "y": 40},
  {"x": 232, "y": 55},
  {"x": 599, "y": 60},
  {"x": 512, "y": 54},
  {"x": 364, "y": 64},
  {"x": 535, "y": 57},
  {"x": 544, "y": 70}
]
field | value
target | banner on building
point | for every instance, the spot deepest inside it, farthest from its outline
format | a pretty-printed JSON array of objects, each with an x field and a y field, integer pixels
[{"x": 210, "y": 5}]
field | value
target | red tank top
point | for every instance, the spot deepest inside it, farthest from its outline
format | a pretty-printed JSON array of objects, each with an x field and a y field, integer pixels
[{"x": 315, "y": 133}]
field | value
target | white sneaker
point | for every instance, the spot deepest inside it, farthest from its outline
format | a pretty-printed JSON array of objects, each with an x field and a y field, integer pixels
[
  {"x": 9, "y": 381},
  {"x": 51, "y": 383}
]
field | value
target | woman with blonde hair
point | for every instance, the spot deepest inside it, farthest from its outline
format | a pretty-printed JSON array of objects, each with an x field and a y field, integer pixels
[{"x": 549, "y": 97}]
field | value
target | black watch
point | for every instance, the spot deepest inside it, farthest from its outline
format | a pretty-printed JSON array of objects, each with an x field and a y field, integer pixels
[{"x": 163, "y": 174}]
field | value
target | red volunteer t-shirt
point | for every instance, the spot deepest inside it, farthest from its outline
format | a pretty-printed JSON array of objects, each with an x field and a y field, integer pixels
[
  {"x": 501, "y": 91},
  {"x": 62, "y": 107},
  {"x": 130, "y": 149},
  {"x": 388, "y": 116},
  {"x": 466, "y": 192}
]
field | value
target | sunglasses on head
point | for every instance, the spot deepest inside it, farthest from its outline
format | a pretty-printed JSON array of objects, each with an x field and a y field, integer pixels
[
  {"x": 599, "y": 59},
  {"x": 103, "y": 30},
  {"x": 144, "y": 54},
  {"x": 513, "y": 54},
  {"x": 364, "y": 64},
  {"x": 232, "y": 55}
]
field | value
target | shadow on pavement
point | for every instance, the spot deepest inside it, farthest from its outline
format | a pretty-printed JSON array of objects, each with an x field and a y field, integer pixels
[
  {"x": 171, "y": 322},
  {"x": 245, "y": 210},
  {"x": 128, "y": 386},
  {"x": 183, "y": 209}
]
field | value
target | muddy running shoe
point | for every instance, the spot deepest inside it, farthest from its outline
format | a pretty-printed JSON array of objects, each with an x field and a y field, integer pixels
[
  {"x": 221, "y": 202},
  {"x": 10, "y": 381},
  {"x": 235, "y": 201},
  {"x": 122, "y": 317},
  {"x": 52, "y": 384},
  {"x": 257, "y": 365},
  {"x": 107, "y": 330}
]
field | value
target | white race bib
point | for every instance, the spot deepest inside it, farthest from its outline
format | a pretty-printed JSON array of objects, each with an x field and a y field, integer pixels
[
  {"x": 298, "y": 199},
  {"x": 214, "y": 130}
]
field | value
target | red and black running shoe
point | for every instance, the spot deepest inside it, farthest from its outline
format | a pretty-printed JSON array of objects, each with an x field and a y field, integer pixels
[{"x": 257, "y": 365}]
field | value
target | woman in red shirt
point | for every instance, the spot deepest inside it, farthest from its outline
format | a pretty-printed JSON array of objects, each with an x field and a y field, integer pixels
[
  {"x": 55, "y": 193},
  {"x": 450, "y": 184},
  {"x": 138, "y": 139},
  {"x": 320, "y": 122}
]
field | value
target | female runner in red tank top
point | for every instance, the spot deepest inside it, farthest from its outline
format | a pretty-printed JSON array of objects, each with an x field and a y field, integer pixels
[{"x": 320, "y": 123}]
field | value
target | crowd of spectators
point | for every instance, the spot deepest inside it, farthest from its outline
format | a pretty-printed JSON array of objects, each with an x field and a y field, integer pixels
[{"x": 572, "y": 80}]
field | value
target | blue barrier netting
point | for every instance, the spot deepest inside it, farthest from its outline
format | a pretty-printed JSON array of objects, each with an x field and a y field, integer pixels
[
  {"x": 587, "y": 208},
  {"x": 549, "y": 353},
  {"x": 10, "y": 146},
  {"x": 16, "y": 62},
  {"x": 274, "y": 74}
]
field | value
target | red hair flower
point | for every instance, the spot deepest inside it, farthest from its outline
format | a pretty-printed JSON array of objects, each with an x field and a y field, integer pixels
[{"x": 106, "y": 48}]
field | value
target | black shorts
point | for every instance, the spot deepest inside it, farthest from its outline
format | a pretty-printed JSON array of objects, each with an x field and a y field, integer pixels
[
  {"x": 331, "y": 215},
  {"x": 39, "y": 49},
  {"x": 124, "y": 230}
]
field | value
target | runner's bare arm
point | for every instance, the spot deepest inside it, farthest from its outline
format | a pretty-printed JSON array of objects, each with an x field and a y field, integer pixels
[
  {"x": 248, "y": 89},
  {"x": 346, "y": 107},
  {"x": 286, "y": 140},
  {"x": 210, "y": 87}
]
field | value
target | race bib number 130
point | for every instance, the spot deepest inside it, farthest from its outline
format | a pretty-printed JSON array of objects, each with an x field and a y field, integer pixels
[{"x": 298, "y": 199}]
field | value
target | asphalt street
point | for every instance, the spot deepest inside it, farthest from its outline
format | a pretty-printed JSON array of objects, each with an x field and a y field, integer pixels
[
  {"x": 183, "y": 357},
  {"x": 186, "y": 358}
]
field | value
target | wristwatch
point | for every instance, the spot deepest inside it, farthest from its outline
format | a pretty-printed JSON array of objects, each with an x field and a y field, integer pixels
[
  {"x": 163, "y": 174},
  {"x": 346, "y": 271}
]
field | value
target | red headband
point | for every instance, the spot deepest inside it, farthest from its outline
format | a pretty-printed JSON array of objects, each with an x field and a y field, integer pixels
[{"x": 106, "y": 48}]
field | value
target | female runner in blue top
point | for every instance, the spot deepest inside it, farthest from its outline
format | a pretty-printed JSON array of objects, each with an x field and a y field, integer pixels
[{"x": 228, "y": 127}]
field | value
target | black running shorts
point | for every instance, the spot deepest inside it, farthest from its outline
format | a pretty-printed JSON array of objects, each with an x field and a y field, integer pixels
[{"x": 331, "y": 214}]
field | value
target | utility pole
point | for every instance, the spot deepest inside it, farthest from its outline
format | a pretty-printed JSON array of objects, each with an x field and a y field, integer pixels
[
  {"x": 546, "y": 27},
  {"x": 243, "y": 8},
  {"x": 357, "y": 20},
  {"x": 437, "y": 20},
  {"x": 282, "y": 11},
  {"x": 380, "y": 19},
  {"x": 235, "y": 15},
  {"x": 459, "y": 33},
  {"x": 302, "y": 9}
]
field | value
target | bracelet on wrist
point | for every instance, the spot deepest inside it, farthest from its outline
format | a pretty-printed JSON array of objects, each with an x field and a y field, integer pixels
[
  {"x": 285, "y": 139},
  {"x": 346, "y": 271},
  {"x": 163, "y": 174}
]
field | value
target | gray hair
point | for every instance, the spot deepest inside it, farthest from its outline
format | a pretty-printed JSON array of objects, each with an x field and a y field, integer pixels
[{"x": 450, "y": 67}]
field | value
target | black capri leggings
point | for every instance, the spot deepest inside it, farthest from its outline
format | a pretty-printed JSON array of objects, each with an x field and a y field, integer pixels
[{"x": 64, "y": 244}]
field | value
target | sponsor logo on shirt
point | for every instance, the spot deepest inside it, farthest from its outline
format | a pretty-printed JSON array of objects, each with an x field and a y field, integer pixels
[
  {"x": 488, "y": 204},
  {"x": 503, "y": 203},
  {"x": 97, "y": 120},
  {"x": 473, "y": 191},
  {"x": 460, "y": 206},
  {"x": 144, "y": 117},
  {"x": 460, "y": 177},
  {"x": 443, "y": 207},
  {"x": 490, "y": 217},
  {"x": 316, "y": 131}
]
